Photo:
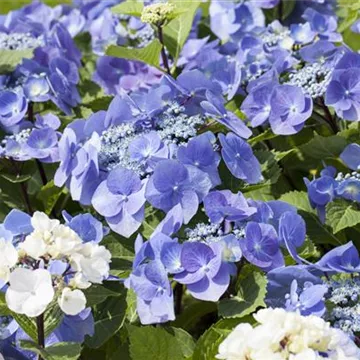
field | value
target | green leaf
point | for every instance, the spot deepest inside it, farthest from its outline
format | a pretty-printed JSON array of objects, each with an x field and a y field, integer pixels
[
  {"x": 266, "y": 135},
  {"x": 4, "y": 310},
  {"x": 52, "y": 317},
  {"x": 129, "y": 7},
  {"x": 59, "y": 351},
  {"x": 149, "y": 55},
  {"x": 27, "y": 324},
  {"x": 16, "y": 179},
  {"x": 322, "y": 148},
  {"x": 96, "y": 294},
  {"x": 49, "y": 195},
  {"x": 299, "y": 199},
  {"x": 184, "y": 340},
  {"x": 249, "y": 297},
  {"x": 208, "y": 344},
  {"x": 152, "y": 218},
  {"x": 9, "y": 5},
  {"x": 153, "y": 343},
  {"x": 341, "y": 214},
  {"x": 193, "y": 314},
  {"x": 177, "y": 31},
  {"x": 109, "y": 317},
  {"x": 9, "y": 59}
]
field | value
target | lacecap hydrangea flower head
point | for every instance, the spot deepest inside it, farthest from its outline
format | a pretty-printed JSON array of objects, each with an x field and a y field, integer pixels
[
  {"x": 42, "y": 261},
  {"x": 282, "y": 335}
]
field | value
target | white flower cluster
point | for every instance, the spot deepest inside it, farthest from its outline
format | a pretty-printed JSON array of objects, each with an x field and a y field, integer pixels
[
  {"x": 51, "y": 261},
  {"x": 283, "y": 335}
]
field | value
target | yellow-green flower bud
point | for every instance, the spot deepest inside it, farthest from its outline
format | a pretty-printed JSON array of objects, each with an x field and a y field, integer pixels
[{"x": 158, "y": 14}]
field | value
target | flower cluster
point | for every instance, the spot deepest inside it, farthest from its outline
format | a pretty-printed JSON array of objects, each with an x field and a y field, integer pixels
[
  {"x": 343, "y": 298},
  {"x": 332, "y": 185},
  {"x": 42, "y": 260},
  {"x": 52, "y": 73},
  {"x": 205, "y": 258},
  {"x": 288, "y": 336},
  {"x": 146, "y": 148}
]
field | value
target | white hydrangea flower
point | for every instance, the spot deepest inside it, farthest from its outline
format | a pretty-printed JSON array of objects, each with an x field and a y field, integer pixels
[
  {"x": 288, "y": 336},
  {"x": 65, "y": 241},
  {"x": 35, "y": 245},
  {"x": 8, "y": 259},
  {"x": 93, "y": 262},
  {"x": 30, "y": 291},
  {"x": 41, "y": 222},
  {"x": 72, "y": 302}
]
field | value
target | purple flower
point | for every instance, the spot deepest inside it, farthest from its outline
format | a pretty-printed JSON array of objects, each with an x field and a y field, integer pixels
[
  {"x": 324, "y": 25},
  {"x": 321, "y": 191},
  {"x": 121, "y": 200},
  {"x": 290, "y": 109},
  {"x": 343, "y": 93},
  {"x": 261, "y": 246},
  {"x": 86, "y": 226},
  {"x": 199, "y": 152},
  {"x": 349, "y": 189},
  {"x": 148, "y": 149},
  {"x": 205, "y": 275},
  {"x": 296, "y": 289},
  {"x": 85, "y": 175},
  {"x": 68, "y": 146},
  {"x": 224, "y": 205},
  {"x": 351, "y": 156},
  {"x": 239, "y": 158},
  {"x": 155, "y": 302},
  {"x": 173, "y": 183},
  {"x": 343, "y": 259},
  {"x": 13, "y": 107},
  {"x": 214, "y": 108},
  {"x": 37, "y": 89},
  {"x": 292, "y": 232},
  {"x": 257, "y": 105},
  {"x": 302, "y": 33}
]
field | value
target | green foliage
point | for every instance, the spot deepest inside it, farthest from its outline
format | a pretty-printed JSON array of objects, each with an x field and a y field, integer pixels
[
  {"x": 157, "y": 343},
  {"x": 149, "y": 55},
  {"x": 9, "y": 59},
  {"x": 341, "y": 214},
  {"x": 177, "y": 31},
  {"x": 250, "y": 296},
  {"x": 109, "y": 316},
  {"x": 129, "y": 7},
  {"x": 59, "y": 351}
]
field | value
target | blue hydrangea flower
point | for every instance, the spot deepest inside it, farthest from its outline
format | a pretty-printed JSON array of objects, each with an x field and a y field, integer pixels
[
  {"x": 205, "y": 275},
  {"x": 343, "y": 94},
  {"x": 261, "y": 246},
  {"x": 290, "y": 109},
  {"x": 174, "y": 183},
  {"x": 121, "y": 200},
  {"x": 13, "y": 107},
  {"x": 296, "y": 289},
  {"x": 239, "y": 158},
  {"x": 342, "y": 259},
  {"x": 351, "y": 156},
  {"x": 224, "y": 205}
]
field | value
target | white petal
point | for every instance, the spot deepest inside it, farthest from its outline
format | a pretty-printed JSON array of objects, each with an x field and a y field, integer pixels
[{"x": 72, "y": 302}]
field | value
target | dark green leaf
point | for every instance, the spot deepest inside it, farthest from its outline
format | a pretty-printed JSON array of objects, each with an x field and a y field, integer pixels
[{"x": 250, "y": 296}]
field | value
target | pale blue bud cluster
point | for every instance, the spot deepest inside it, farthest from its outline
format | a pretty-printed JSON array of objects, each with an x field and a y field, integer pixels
[
  {"x": 344, "y": 295},
  {"x": 20, "y": 41}
]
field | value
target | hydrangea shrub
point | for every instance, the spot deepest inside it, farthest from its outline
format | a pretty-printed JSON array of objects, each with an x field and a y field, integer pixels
[{"x": 180, "y": 180}]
